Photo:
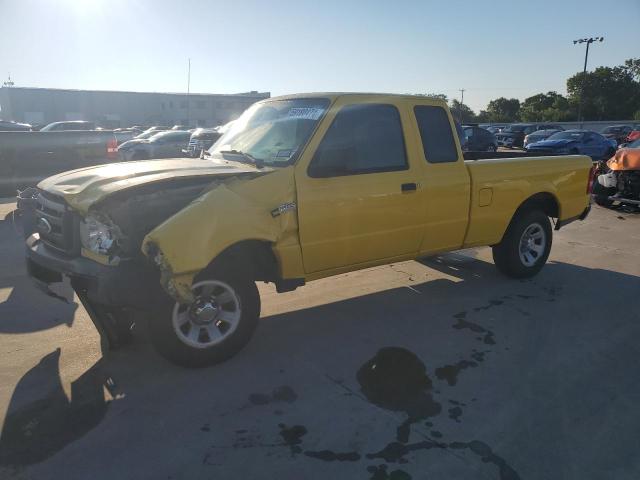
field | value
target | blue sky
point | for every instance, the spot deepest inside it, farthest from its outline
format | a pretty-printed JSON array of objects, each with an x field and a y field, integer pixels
[{"x": 490, "y": 48}]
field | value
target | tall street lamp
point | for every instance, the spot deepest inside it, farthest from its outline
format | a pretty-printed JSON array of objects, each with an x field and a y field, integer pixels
[{"x": 588, "y": 41}]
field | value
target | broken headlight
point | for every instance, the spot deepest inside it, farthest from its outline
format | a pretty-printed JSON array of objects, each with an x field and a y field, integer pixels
[{"x": 97, "y": 236}]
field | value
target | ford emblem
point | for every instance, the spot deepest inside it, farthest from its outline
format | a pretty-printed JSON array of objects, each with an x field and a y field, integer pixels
[{"x": 44, "y": 226}]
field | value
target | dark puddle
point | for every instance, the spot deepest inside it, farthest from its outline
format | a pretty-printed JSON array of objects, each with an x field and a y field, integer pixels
[
  {"x": 395, "y": 379},
  {"x": 34, "y": 432},
  {"x": 279, "y": 394},
  {"x": 292, "y": 436},
  {"x": 455, "y": 413},
  {"x": 461, "y": 324},
  {"x": 329, "y": 456},
  {"x": 450, "y": 372},
  {"x": 492, "y": 303},
  {"x": 395, "y": 452},
  {"x": 487, "y": 456},
  {"x": 380, "y": 473}
]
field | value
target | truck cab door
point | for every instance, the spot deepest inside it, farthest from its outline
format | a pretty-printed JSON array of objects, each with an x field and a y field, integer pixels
[{"x": 360, "y": 198}]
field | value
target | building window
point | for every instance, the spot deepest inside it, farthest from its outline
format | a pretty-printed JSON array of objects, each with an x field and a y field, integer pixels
[
  {"x": 170, "y": 104},
  {"x": 200, "y": 104},
  {"x": 162, "y": 105},
  {"x": 183, "y": 104}
]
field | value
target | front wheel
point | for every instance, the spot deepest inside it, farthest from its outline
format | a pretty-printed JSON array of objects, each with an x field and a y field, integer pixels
[
  {"x": 217, "y": 325},
  {"x": 526, "y": 245}
]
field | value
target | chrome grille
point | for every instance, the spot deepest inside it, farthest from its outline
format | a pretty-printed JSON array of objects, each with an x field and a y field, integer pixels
[{"x": 57, "y": 225}]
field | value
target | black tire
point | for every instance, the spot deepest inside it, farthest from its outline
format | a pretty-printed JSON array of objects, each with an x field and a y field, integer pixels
[
  {"x": 168, "y": 343},
  {"x": 506, "y": 254}
]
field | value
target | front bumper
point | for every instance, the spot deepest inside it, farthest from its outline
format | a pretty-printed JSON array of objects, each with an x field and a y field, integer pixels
[{"x": 131, "y": 284}]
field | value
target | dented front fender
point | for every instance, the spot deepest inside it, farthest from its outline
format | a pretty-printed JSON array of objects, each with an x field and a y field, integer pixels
[{"x": 258, "y": 208}]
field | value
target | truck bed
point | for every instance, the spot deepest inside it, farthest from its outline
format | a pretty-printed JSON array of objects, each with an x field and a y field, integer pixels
[{"x": 497, "y": 184}]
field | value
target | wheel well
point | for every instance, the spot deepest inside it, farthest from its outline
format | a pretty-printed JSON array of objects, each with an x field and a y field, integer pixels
[
  {"x": 544, "y": 201},
  {"x": 254, "y": 257}
]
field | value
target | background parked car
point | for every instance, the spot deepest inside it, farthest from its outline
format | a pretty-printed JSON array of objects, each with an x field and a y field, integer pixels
[
  {"x": 538, "y": 136},
  {"x": 633, "y": 135},
  {"x": 512, "y": 136},
  {"x": 494, "y": 128},
  {"x": 478, "y": 139},
  {"x": 618, "y": 132},
  {"x": 201, "y": 139},
  {"x": 71, "y": 125},
  {"x": 9, "y": 126},
  {"x": 167, "y": 144},
  {"x": 583, "y": 142}
]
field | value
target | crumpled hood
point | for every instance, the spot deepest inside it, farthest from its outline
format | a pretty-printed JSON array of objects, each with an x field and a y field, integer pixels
[{"x": 83, "y": 187}]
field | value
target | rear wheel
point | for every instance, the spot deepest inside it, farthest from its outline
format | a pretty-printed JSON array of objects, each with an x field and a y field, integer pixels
[
  {"x": 217, "y": 325},
  {"x": 526, "y": 245}
]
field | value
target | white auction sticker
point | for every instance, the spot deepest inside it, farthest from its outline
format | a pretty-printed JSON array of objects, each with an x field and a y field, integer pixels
[{"x": 308, "y": 113}]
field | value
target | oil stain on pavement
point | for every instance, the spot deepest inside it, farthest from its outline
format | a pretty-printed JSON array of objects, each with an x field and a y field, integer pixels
[{"x": 396, "y": 379}]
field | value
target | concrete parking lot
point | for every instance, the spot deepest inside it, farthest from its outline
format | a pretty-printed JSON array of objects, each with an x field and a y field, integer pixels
[{"x": 437, "y": 369}]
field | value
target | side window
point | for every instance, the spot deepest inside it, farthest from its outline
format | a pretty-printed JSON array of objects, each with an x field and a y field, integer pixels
[
  {"x": 436, "y": 134},
  {"x": 364, "y": 138}
]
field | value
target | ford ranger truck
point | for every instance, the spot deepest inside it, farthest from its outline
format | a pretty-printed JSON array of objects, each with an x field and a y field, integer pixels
[{"x": 300, "y": 188}]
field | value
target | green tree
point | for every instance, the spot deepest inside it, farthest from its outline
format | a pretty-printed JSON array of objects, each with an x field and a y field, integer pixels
[
  {"x": 504, "y": 110},
  {"x": 607, "y": 93},
  {"x": 461, "y": 112},
  {"x": 546, "y": 107}
]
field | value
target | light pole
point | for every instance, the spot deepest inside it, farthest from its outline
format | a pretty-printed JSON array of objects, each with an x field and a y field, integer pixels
[
  {"x": 588, "y": 41},
  {"x": 462, "y": 105},
  {"x": 188, "y": 91}
]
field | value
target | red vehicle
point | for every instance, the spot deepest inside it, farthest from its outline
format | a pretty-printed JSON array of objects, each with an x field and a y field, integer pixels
[{"x": 634, "y": 135}]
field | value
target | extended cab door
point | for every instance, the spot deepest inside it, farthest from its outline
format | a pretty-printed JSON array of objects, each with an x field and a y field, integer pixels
[
  {"x": 359, "y": 191},
  {"x": 446, "y": 183}
]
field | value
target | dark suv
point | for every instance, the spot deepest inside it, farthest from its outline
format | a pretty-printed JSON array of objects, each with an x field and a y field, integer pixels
[
  {"x": 513, "y": 135},
  {"x": 478, "y": 139}
]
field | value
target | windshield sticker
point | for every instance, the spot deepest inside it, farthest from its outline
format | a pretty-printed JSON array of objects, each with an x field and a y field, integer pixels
[
  {"x": 306, "y": 113},
  {"x": 283, "y": 154}
]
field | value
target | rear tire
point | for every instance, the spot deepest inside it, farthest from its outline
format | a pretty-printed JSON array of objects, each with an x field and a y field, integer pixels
[
  {"x": 212, "y": 329},
  {"x": 525, "y": 246}
]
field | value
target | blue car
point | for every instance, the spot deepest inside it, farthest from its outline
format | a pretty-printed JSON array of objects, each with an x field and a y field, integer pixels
[{"x": 574, "y": 142}]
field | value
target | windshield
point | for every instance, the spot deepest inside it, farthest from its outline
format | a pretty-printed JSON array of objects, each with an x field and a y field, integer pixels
[
  {"x": 567, "y": 136},
  {"x": 612, "y": 130},
  {"x": 272, "y": 132}
]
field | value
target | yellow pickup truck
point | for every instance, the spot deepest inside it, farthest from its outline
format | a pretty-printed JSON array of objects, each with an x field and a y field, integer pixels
[{"x": 300, "y": 188}]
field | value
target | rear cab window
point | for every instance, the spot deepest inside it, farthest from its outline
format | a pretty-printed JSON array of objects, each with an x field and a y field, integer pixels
[{"x": 436, "y": 134}]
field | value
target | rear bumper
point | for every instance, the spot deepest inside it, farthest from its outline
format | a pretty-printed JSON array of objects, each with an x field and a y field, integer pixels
[
  {"x": 130, "y": 284},
  {"x": 582, "y": 216}
]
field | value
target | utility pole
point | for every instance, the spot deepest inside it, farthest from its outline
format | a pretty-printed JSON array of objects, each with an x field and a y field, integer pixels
[
  {"x": 588, "y": 41},
  {"x": 188, "y": 91},
  {"x": 461, "y": 105}
]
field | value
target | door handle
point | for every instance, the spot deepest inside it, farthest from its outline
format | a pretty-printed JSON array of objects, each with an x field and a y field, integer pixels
[{"x": 409, "y": 187}]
